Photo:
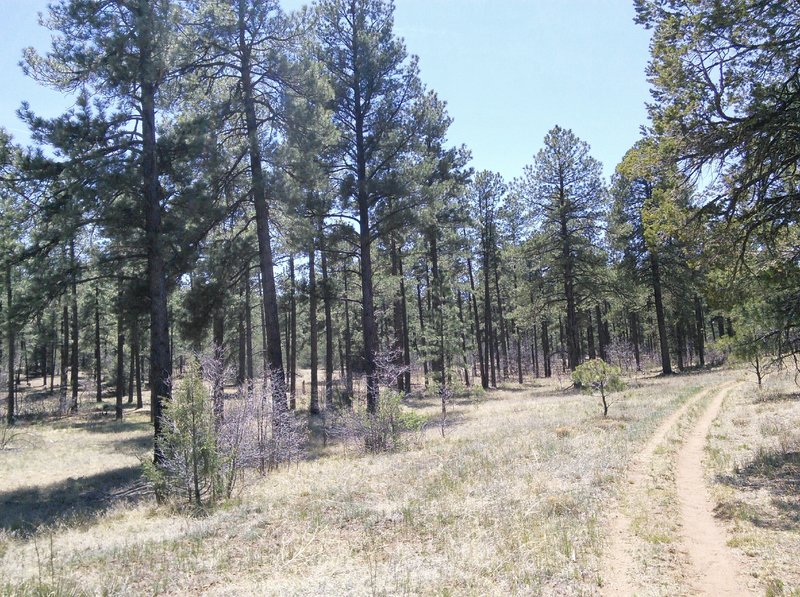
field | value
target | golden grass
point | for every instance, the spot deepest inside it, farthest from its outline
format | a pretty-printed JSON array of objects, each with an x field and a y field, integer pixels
[{"x": 513, "y": 500}]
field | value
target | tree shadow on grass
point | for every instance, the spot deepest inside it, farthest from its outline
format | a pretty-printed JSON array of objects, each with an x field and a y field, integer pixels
[
  {"x": 72, "y": 501},
  {"x": 109, "y": 425},
  {"x": 779, "y": 475}
]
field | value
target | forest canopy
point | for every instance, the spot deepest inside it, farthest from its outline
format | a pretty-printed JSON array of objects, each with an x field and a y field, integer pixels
[{"x": 278, "y": 189}]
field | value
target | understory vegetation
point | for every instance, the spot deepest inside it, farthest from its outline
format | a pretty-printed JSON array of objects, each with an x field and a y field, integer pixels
[{"x": 514, "y": 498}]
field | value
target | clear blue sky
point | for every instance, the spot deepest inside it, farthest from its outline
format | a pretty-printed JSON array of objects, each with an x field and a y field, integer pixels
[{"x": 509, "y": 70}]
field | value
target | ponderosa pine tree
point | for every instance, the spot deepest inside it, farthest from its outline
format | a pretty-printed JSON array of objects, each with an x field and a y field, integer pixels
[
  {"x": 122, "y": 54},
  {"x": 565, "y": 191},
  {"x": 375, "y": 86}
]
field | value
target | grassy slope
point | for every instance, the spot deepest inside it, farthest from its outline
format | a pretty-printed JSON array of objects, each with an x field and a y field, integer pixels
[{"x": 513, "y": 500}]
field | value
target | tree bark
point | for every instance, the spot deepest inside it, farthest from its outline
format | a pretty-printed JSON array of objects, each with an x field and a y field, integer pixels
[
  {"x": 313, "y": 407},
  {"x": 634, "y": 323},
  {"x": 120, "y": 381},
  {"x": 478, "y": 339},
  {"x": 274, "y": 352},
  {"x": 326, "y": 302},
  {"x": 248, "y": 326},
  {"x": 397, "y": 316},
  {"x": 292, "y": 335},
  {"x": 463, "y": 336},
  {"x": 437, "y": 303},
  {"x": 10, "y": 411},
  {"x": 404, "y": 316},
  {"x": 348, "y": 342},
  {"x": 97, "y": 360},
  {"x": 701, "y": 332},
  {"x": 602, "y": 336},
  {"x": 64, "y": 358},
  {"x": 655, "y": 270},
  {"x": 136, "y": 347},
  {"x": 74, "y": 334},
  {"x": 422, "y": 340},
  {"x": 546, "y": 350}
]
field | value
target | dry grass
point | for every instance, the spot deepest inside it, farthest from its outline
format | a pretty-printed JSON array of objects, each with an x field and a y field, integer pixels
[
  {"x": 513, "y": 500},
  {"x": 754, "y": 459}
]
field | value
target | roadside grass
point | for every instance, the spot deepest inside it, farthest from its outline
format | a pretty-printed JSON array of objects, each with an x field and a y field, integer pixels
[
  {"x": 513, "y": 499},
  {"x": 753, "y": 457}
]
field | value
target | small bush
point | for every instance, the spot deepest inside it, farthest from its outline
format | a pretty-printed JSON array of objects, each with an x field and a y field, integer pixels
[
  {"x": 596, "y": 375},
  {"x": 379, "y": 432},
  {"x": 191, "y": 461}
]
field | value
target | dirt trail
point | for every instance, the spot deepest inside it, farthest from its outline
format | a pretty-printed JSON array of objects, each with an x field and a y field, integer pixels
[
  {"x": 704, "y": 543},
  {"x": 714, "y": 570}
]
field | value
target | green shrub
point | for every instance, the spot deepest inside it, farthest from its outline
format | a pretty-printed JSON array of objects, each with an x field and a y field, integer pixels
[
  {"x": 191, "y": 464},
  {"x": 596, "y": 375}
]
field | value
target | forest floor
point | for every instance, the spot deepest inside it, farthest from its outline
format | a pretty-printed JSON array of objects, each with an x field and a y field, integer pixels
[{"x": 530, "y": 491}]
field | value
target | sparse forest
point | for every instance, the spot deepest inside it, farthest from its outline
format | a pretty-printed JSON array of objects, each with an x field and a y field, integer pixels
[{"x": 286, "y": 338}]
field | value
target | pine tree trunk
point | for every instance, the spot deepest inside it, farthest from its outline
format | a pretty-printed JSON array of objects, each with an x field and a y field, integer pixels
[
  {"x": 666, "y": 366},
  {"x": 634, "y": 323},
  {"x": 397, "y": 317},
  {"x": 601, "y": 335},
  {"x": 120, "y": 366},
  {"x": 463, "y": 336},
  {"x": 11, "y": 410},
  {"x": 274, "y": 351},
  {"x": 478, "y": 339},
  {"x": 701, "y": 332},
  {"x": 97, "y": 360},
  {"x": 546, "y": 350},
  {"x": 64, "y": 358},
  {"x": 487, "y": 316},
  {"x": 136, "y": 347},
  {"x": 248, "y": 326},
  {"x": 437, "y": 312},
  {"x": 369, "y": 327},
  {"x": 292, "y": 335},
  {"x": 404, "y": 316},
  {"x": 313, "y": 407},
  {"x": 422, "y": 340},
  {"x": 241, "y": 371},
  {"x": 326, "y": 301},
  {"x": 590, "y": 337},
  {"x": 74, "y": 334},
  {"x": 502, "y": 322},
  {"x": 160, "y": 361},
  {"x": 131, "y": 372},
  {"x": 348, "y": 342}
]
